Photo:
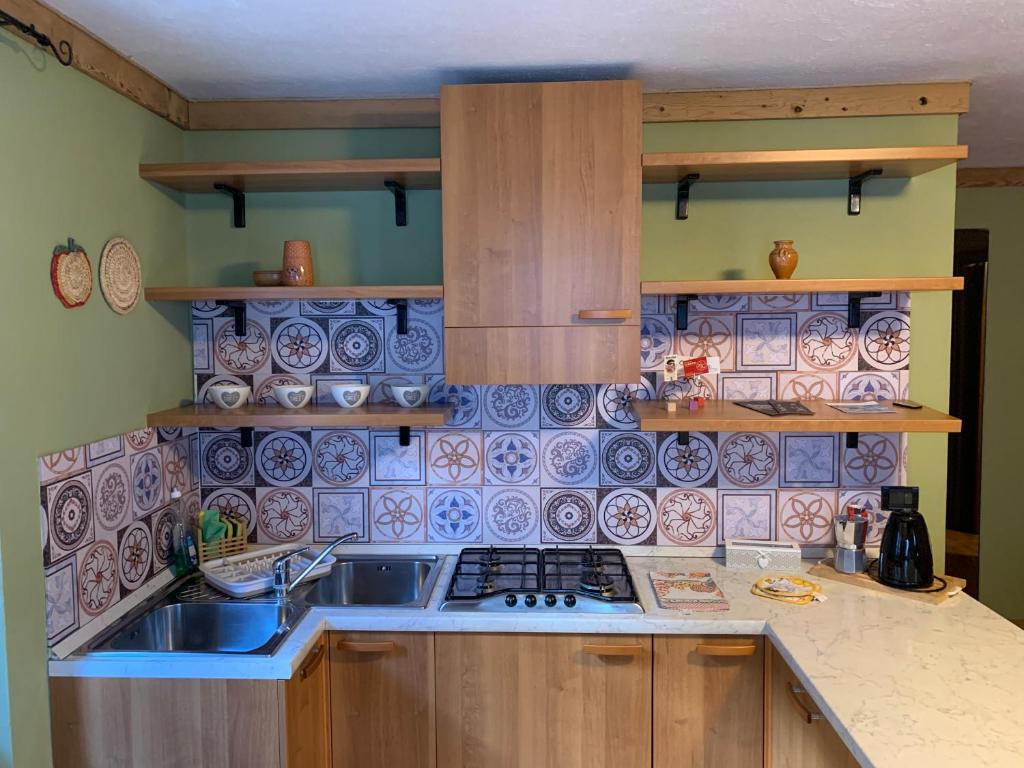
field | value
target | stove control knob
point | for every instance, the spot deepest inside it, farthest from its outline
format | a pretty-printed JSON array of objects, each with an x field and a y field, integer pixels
[
  {"x": 511, "y": 600},
  {"x": 550, "y": 601},
  {"x": 530, "y": 600},
  {"x": 570, "y": 601}
]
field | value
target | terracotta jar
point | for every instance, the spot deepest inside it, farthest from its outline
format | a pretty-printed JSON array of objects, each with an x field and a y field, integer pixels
[
  {"x": 783, "y": 259},
  {"x": 297, "y": 266}
]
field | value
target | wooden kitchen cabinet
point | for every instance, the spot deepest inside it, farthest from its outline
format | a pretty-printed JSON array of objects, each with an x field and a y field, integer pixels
[
  {"x": 308, "y": 711},
  {"x": 541, "y": 185},
  {"x": 709, "y": 701},
  {"x": 382, "y": 699},
  {"x": 529, "y": 700},
  {"x": 798, "y": 735}
]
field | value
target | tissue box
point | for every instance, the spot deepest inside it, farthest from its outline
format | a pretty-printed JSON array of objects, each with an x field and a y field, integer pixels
[{"x": 754, "y": 555}]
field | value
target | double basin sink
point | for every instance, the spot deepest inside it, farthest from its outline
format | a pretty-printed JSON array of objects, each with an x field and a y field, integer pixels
[{"x": 178, "y": 622}]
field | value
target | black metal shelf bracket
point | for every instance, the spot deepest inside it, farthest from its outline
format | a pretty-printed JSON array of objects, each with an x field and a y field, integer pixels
[
  {"x": 237, "y": 308},
  {"x": 396, "y": 189},
  {"x": 245, "y": 437},
  {"x": 853, "y": 196},
  {"x": 683, "y": 438},
  {"x": 404, "y": 436},
  {"x": 683, "y": 310},
  {"x": 852, "y": 440},
  {"x": 61, "y": 50},
  {"x": 683, "y": 196},
  {"x": 237, "y": 200},
  {"x": 401, "y": 315},
  {"x": 853, "y": 301}
]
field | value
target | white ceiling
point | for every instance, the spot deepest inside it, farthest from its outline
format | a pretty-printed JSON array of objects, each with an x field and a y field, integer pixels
[{"x": 257, "y": 49}]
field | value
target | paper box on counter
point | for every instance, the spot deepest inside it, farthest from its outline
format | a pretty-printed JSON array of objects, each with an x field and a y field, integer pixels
[{"x": 755, "y": 555}]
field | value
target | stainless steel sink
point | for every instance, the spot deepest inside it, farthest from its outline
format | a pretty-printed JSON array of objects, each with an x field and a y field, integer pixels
[{"x": 393, "y": 580}]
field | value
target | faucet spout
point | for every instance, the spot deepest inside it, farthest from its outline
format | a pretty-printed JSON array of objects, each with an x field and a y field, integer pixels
[{"x": 285, "y": 586}]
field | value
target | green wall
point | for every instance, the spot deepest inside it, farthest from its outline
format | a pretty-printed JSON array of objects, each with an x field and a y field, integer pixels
[
  {"x": 70, "y": 168},
  {"x": 1001, "y": 211}
]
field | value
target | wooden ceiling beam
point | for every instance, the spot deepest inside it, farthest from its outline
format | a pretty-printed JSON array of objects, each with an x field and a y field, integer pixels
[{"x": 990, "y": 177}]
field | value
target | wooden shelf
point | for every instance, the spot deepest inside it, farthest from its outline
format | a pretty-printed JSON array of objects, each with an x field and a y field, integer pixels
[
  {"x": 822, "y": 285},
  {"x": 798, "y": 164},
  {"x": 282, "y": 292},
  {"x": 297, "y": 176},
  {"x": 310, "y": 416},
  {"x": 726, "y": 416}
]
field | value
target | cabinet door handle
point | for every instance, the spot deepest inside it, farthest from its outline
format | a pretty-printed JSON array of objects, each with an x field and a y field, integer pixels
[
  {"x": 312, "y": 660},
  {"x": 359, "y": 646},
  {"x": 726, "y": 650},
  {"x": 596, "y": 649},
  {"x": 605, "y": 314},
  {"x": 806, "y": 714}
]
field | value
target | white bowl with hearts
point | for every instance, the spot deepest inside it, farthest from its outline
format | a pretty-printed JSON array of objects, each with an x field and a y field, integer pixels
[
  {"x": 350, "y": 395},
  {"x": 230, "y": 396},
  {"x": 293, "y": 395},
  {"x": 410, "y": 397}
]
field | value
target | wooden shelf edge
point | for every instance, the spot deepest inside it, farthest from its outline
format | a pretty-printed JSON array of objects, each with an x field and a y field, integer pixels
[
  {"x": 373, "y": 415},
  {"x": 809, "y": 285},
  {"x": 281, "y": 292}
]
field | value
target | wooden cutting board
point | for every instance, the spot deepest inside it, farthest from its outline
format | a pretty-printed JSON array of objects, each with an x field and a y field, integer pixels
[{"x": 825, "y": 570}]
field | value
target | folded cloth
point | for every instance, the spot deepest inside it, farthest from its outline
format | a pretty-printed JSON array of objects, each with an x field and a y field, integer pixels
[
  {"x": 212, "y": 526},
  {"x": 694, "y": 591}
]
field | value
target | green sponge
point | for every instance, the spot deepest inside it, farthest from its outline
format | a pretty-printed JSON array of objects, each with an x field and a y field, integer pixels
[{"x": 213, "y": 527}]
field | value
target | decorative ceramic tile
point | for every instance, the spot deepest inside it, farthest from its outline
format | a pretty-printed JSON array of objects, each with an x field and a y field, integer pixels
[
  {"x": 687, "y": 466},
  {"x": 283, "y": 458},
  {"x": 628, "y": 458},
  {"x": 263, "y": 389},
  {"x": 327, "y": 307},
  {"x": 139, "y": 440},
  {"x": 686, "y": 517},
  {"x": 657, "y": 338},
  {"x": 203, "y": 384},
  {"x": 392, "y": 463},
  {"x": 61, "y": 464},
  {"x": 322, "y": 385},
  {"x": 808, "y": 386},
  {"x": 614, "y": 403},
  {"x": 70, "y": 515},
  {"x": 710, "y": 335},
  {"x": 511, "y": 406},
  {"x": 885, "y": 341},
  {"x": 627, "y": 516},
  {"x": 418, "y": 351},
  {"x": 104, "y": 450},
  {"x": 455, "y": 458},
  {"x": 233, "y": 502},
  {"x": 874, "y": 462},
  {"x": 569, "y": 457},
  {"x": 511, "y": 515},
  {"x": 240, "y": 354},
  {"x": 426, "y": 307},
  {"x": 340, "y": 511},
  {"x": 825, "y": 342},
  {"x": 202, "y": 346},
  {"x": 207, "y": 309},
  {"x": 273, "y": 307},
  {"x": 840, "y": 301},
  {"x": 397, "y": 514},
  {"x": 747, "y": 459},
  {"x": 283, "y": 514},
  {"x": 871, "y": 501},
  {"x": 746, "y": 386},
  {"x": 112, "y": 494},
  {"x": 225, "y": 461},
  {"x": 193, "y": 460},
  {"x": 779, "y": 302},
  {"x": 463, "y": 403},
  {"x": 61, "y": 601},
  {"x": 511, "y": 458},
  {"x": 714, "y": 303},
  {"x": 568, "y": 405},
  {"x": 698, "y": 386},
  {"x": 746, "y": 514},
  {"x": 869, "y": 385},
  {"x": 569, "y": 515},
  {"x": 454, "y": 515},
  {"x": 340, "y": 457},
  {"x": 162, "y": 530},
  {"x": 134, "y": 555},
  {"x": 357, "y": 345},
  {"x": 299, "y": 345},
  {"x": 168, "y": 434},
  {"x": 809, "y": 460},
  {"x": 377, "y": 307},
  {"x": 766, "y": 342},
  {"x": 805, "y": 517},
  {"x": 175, "y": 460}
]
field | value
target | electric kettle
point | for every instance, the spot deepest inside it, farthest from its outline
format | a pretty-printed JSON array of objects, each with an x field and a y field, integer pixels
[{"x": 905, "y": 556}]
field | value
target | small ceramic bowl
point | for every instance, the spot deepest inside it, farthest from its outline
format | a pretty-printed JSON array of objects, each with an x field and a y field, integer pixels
[
  {"x": 265, "y": 277},
  {"x": 410, "y": 397},
  {"x": 230, "y": 396},
  {"x": 350, "y": 395},
  {"x": 293, "y": 395}
]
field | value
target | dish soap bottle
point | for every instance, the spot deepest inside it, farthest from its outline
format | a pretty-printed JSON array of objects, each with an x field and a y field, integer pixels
[{"x": 183, "y": 563}]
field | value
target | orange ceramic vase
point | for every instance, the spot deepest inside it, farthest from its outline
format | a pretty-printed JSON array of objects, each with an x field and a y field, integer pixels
[
  {"x": 297, "y": 265},
  {"x": 783, "y": 259}
]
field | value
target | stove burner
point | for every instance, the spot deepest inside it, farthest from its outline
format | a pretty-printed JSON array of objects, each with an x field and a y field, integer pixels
[
  {"x": 485, "y": 585},
  {"x": 596, "y": 580}
]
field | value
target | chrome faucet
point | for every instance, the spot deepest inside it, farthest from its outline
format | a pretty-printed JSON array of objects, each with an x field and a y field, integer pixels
[{"x": 283, "y": 582}]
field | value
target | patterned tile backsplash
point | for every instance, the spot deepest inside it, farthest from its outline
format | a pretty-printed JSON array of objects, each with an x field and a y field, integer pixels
[{"x": 514, "y": 465}]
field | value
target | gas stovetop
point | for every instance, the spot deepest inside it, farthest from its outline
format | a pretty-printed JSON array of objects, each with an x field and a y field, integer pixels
[{"x": 546, "y": 580}]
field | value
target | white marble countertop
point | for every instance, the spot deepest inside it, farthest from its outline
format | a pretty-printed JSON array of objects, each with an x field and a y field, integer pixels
[{"x": 904, "y": 683}]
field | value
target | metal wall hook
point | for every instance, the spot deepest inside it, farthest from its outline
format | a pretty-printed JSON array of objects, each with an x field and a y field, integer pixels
[
  {"x": 396, "y": 189},
  {"x": 853, "y": 195},
  {"x": 683, "y": 310},
  {"x": 237, "y": 308},
  {"x": 853, "y": 300},
  {"x": 683, "y": 195},
  {"x": 401, "y": 315},
  {"x": 237, "y": 201},
  {"x": 62, "y": 50}
]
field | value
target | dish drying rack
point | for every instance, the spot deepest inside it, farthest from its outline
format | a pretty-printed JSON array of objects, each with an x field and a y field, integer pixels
[{"x": 252, "y": 573}]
